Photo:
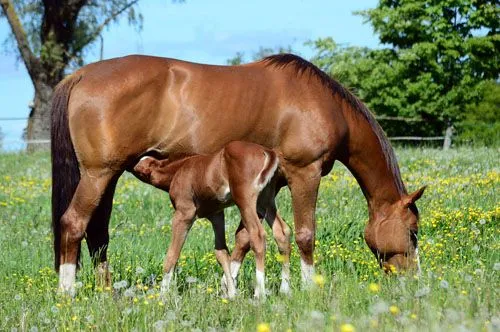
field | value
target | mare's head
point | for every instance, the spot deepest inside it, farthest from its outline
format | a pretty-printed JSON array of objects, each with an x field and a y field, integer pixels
[{"x": 391, "y": 234}]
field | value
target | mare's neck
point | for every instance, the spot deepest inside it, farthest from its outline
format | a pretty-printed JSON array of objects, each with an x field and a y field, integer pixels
[{"x": 371, "y": 160}]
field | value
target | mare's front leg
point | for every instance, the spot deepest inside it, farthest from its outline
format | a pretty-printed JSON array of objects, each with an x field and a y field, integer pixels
[
  {"x": 183, "y": 220},
  {"x": 304, "y": 184},
  {"x": 222, "y": 254}
]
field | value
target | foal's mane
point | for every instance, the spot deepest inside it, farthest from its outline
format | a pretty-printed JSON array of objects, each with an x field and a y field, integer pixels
[{"x": 303, "y": 66}]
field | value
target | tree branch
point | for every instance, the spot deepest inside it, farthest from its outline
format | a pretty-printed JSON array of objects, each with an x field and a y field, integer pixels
[
  {"x": 30, "y": 60},
  {"x": 108, "y": 20}
]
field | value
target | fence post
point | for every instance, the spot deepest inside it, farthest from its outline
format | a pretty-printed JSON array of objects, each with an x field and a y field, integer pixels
[{"x": 447, "y": 137}]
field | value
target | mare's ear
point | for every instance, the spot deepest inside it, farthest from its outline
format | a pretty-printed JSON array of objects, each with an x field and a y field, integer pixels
[{"x": 413, "y": 197}]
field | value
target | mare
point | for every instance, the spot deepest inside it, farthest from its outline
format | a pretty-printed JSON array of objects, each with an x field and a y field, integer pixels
[
  {"x": 107, "y": 115},
  {"x": 241, "y": 173}
]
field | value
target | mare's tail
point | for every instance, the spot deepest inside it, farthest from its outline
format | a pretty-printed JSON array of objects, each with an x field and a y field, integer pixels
[{"x": 65, "y": 171}]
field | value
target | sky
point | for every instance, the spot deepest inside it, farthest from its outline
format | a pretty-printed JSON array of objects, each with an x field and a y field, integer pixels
[{"x": 200, "y": 31}]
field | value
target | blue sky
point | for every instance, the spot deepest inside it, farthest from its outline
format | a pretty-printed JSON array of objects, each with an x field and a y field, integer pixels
[{"x": 201, "y": 31}]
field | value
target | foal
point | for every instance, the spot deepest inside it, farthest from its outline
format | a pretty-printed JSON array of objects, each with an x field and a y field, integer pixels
[{"x": 203, "y": 185}]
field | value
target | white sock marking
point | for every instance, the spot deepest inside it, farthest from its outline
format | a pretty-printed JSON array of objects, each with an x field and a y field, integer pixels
[
  {"x": 307, "y": 272},
  {"x": 235, "y": 268},
  {"x": 166, "y": 281},
  {"x": 260, "y": 287},
  {"x": 67, "y": 275},
  {"x": 285, "y": 279},
  {"x": 228, "y": 284}
]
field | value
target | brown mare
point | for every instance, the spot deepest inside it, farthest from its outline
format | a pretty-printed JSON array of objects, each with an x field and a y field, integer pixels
[
  {"x": 108, "y": 115},
  {"x": 241, "y": 173}
]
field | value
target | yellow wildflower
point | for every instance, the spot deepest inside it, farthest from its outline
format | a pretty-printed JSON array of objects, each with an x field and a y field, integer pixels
[
  {"x": 263, "y": 327},
  {"x": 347, "y": 328},
  {"x": 319, "y": 280},
  {"x": 374, "y": 288},
  {"x": 394, "y": 310}
]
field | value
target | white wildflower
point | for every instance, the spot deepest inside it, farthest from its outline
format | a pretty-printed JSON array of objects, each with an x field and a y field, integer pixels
[
  {"x": 160, "y": 325},
  {"x": 422, "y": 292},
  {"x": 130, "y": 292},
  {"x": 379, "y": 308},
  {"x": 191, "y": 280},
  {"x": 444, "y": 284},
  {"x": 120, "y": 284}
]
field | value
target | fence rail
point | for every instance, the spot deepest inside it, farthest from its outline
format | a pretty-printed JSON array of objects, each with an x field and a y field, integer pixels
[{"x": 446, "y": 138}]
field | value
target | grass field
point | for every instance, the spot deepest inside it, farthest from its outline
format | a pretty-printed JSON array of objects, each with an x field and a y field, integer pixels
[{"x": 459, "y": 241}]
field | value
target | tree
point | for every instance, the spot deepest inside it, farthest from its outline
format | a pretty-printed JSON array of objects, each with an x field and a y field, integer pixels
[
  {"x": 434, "y": 56},
  {"x": 481, "y": 125},
  {"x": 240, "y": 58},
  {"x": 54, "y": 35}
]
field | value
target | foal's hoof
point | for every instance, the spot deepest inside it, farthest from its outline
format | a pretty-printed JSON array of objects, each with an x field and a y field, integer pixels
[
  {"x": 260, "y": 294},
  {"x": 63, "y": 291},
  {"x": 228, "y": 292},
  {"x": 285, "y": 289}
]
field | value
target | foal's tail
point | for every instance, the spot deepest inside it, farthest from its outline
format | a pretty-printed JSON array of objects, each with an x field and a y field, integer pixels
[
  {"x": 270, "y": 167},
  {"x": 65, "y": 171}
]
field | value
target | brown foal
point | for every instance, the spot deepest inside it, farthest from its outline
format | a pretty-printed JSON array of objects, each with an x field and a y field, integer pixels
[
  {"x": 108, "y": 115},
  {"x": 203, "y": 185}
]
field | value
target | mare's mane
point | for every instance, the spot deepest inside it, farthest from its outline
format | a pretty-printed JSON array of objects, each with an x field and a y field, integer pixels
[{"x": 303, "y": 66}]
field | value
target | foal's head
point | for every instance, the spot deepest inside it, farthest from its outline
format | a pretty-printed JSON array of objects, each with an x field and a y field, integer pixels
[
  {"x": 391, "y": 234},
  {"x": 144, "y": 168}
]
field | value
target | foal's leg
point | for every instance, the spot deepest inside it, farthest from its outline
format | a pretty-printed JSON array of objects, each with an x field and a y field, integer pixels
[
  {"x": 241, "y": 248},
  {"x": 281, "y": 233},
  {"x": 222, "y": 255},
  {"x": 247, "y": 203},
  {"x": 97, "y": 235},
  {"x": 183, "y": 220},
  {"x": 87, "y": 197},
  {"x": 304, "y": 184}
]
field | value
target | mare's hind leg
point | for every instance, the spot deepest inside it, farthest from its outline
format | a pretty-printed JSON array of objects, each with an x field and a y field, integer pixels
[
  {"x": 86, "y": 199},
  {"x": 222, "y": 254},
  {"x": 97, "y": 235}
]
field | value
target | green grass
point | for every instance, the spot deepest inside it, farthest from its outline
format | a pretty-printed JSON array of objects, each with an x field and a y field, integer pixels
[{"x": 459, "y": 239}]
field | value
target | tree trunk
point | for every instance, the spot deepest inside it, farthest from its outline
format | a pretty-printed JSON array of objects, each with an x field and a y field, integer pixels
[{"x": 38, "y": 130}]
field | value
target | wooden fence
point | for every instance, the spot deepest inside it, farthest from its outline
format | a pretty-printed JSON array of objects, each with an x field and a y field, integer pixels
[{"x": 446, "y": 138}]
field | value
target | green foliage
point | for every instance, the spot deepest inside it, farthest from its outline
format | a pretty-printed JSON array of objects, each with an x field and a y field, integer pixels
[
  {"x": 263, "y": 52},
  {"x": 458, "y": 239},
  {"x": 61, "y": 35},
  {"x": 434, "y": 56},
  {"x": 238, "y": 59},
  {"x": 481, "y": 125}
]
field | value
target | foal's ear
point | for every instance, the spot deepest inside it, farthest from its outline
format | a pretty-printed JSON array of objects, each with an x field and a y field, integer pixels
[{"x": 413, "y": 197}]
